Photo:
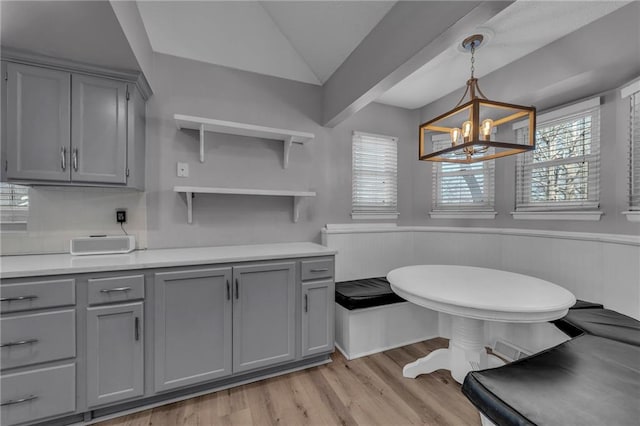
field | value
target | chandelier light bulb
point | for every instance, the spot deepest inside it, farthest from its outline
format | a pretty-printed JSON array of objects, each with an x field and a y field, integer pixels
[
  {"x": 466, "y": 130},
  {"x": 487, "y": 125},
  {"x": 455, "y": 136}
]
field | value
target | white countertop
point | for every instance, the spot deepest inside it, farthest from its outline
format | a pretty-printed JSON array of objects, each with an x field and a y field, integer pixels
[
  {"x": 58, "y": 264},
  {"x": 481, "y": 293}
]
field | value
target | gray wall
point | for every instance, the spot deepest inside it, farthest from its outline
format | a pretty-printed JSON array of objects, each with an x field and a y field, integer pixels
[
  {"x": 585, "y": 63},
  {"x": 582, "y": 64},
  {"x": 323, "y": 165}
]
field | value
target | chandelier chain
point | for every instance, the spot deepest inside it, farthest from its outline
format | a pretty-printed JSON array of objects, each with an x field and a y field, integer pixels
[{"x": 473, "y": 58}]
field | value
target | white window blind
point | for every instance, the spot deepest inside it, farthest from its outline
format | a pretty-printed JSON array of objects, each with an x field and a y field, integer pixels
[
  {"x": 14, "y": 204},
  {"x": 375, "y": 174},
  {"x": 563, "y": 172},
  {"x": 463, "y": 187},
  {"x": 634, "y": 168}
]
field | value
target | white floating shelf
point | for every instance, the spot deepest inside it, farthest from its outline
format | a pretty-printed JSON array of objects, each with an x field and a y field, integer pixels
[
  {"x": 190, "y": 192},
  {"x": 288, "y": 137}
]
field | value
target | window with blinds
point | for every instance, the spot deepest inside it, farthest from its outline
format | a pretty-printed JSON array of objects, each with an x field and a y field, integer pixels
[
  {"x": 14, "y": 204},
  {"x": 463, "y": 187},
  {"x": 563, "y": 172},
  {"x": 634, "y": 133},
  {"x": 375, "y": 176}
]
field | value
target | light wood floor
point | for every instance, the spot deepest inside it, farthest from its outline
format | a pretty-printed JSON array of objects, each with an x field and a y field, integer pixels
[{"x": 365, "y": 391}]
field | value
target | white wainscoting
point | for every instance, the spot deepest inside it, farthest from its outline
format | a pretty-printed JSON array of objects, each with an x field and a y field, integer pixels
[{"x": 602, "y": 268}]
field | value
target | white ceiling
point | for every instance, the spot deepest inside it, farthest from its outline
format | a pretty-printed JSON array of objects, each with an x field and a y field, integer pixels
[
  {"x": 83, "y": 31},
  {"x": 302, "y": 41},
  {"x": 518, "y": 30}
]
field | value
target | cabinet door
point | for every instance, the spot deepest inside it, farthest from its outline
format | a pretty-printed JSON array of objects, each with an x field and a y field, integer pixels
[
  {"x": 38, "y": 123},
  {"x": 192, "y": 327},
  {"x": 263, "y": 315},
  {"x": 99, "y": 130},
  {"x": 317, "y": 317},
  {"x": 115, "y": 355}
]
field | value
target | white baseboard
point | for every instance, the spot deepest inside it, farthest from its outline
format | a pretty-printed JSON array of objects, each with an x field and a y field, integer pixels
[{"x": 384, "y": 348}]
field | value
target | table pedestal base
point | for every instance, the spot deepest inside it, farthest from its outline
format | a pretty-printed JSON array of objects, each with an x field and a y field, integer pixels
[{"x": 466, "y": 352}]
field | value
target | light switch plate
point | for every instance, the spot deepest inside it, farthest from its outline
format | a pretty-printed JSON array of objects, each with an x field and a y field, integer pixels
[{"x": 183, "y": 169}]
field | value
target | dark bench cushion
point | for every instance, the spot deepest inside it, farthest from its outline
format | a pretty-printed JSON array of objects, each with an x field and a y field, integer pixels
[
  {"x": 583, "y": 304},
  {"x": 365, "y": 293},
  {"x": 586, "y": 381},
  {"x": 601, "y": 322}
]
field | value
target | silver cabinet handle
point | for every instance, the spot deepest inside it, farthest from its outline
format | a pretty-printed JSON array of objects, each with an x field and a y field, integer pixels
[
  {"x": 19, "y": 343},
  {"x": 320, "y": 270},
  {"x": 306, "y": 303},
  {"x": 237, "y": 290},
  {"x": 18, "y": 401},
  {"x": 137, "y": 328},
  {"x": 63, "y": 158},
  {"x": 75, "y": 159},
  {"x": 112, "y": 290},
  {"x": 228, "y": 290},
  {"x": 15, "y": 299}
]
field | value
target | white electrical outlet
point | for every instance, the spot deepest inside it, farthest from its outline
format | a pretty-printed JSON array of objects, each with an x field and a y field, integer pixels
[{"x": 183, "y": 169}]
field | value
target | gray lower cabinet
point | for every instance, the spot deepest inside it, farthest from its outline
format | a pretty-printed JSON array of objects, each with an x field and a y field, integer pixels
[
  {"x": 115, "y": 353},
  {"x": 38, "y": 123},
  {"x": 98, "y": 130},
  {"x": 263, "y": 315},
  {"x": 32, "y": 395},
  {"x": 210, "y": 323},
  {"x": 192, "y": 327},
  {"x": 317, "y": 317}
]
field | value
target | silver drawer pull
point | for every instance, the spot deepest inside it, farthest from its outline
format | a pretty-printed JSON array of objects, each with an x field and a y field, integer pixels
[
  {"x": 320, "y": 270},
  {"x": 19, "y": 343},
  {"x": 18, "y": 401},
  {"x": 111, "y": 290},
  {"x": 14, "y": 299}
]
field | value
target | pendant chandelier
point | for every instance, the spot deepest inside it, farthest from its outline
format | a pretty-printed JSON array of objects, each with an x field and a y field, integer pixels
[{"x": 470, "y": 127}]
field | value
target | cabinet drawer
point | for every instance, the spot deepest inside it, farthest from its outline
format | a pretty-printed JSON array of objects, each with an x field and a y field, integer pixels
[
  {"x": 34, "y": 338},
  {"x": 315, "y": 269},
  {"x": 38, "y": 394},
  {"x": 116, "y": 289},
  {"x": 36, "y": 295}
]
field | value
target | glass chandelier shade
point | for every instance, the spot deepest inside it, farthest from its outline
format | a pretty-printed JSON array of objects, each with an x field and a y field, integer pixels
[{"x": 471, "y": 126}]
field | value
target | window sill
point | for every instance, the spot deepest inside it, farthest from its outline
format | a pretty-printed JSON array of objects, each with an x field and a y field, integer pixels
[
  {"x": 559, "y": 215},
  {"x": 463, "y": 214},
  {"x": 373, "y": 216},
  {"x": 632, "y": 215}
]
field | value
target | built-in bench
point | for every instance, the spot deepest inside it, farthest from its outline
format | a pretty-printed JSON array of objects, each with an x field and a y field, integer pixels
[
  {"x": 371, "y": 318},
  {"x": 592, "y": 379}
]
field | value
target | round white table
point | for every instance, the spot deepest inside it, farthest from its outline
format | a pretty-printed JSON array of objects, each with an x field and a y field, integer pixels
[{"x": 472, "y": 296}]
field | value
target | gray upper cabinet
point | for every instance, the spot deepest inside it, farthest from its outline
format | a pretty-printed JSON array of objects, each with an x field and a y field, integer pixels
[
  {"x": 192, "y": 327},
  {"x": 38, "y": 123},
  {"x": 263, "y": 315},
  {"x": 136, "y": 136},
  {"x": 70, "y": 128},
  {"x": 99, "y": 130},
  {"x": 115, "y": 353},
  {"x": 317, "y": 317}
]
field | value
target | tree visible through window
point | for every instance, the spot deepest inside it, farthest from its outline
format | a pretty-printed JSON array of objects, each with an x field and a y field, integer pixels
[
  {"x": 563, "y": 170},
  {"x": 462, "y": 187}
]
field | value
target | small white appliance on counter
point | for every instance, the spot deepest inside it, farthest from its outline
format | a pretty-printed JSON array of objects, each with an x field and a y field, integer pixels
[{"x": 103, "y": 244}]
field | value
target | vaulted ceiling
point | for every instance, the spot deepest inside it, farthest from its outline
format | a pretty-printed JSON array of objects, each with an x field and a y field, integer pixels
[{"x": 303, "y": 41}]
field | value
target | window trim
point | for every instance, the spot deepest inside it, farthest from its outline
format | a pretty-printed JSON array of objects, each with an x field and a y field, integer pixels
[
  {"x": 630, "y": 91},
  {"x": 550, "y": 210},
  {"x": 380, "y": 213}
]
